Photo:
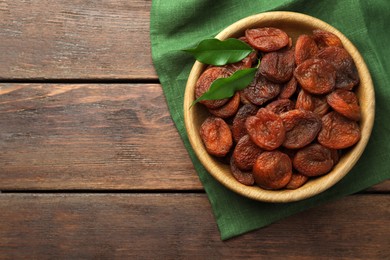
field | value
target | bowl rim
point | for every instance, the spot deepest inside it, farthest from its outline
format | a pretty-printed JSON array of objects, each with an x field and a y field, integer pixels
[{"x": 314, "y": 186}]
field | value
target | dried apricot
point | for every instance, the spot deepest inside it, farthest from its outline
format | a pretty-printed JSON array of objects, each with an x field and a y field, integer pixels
[
  {"x": 288, "y": 89},
  {"x": 301, "y": 126},
  {"x": 316, "y": 104},
  {"x": 246, "y": 63},
  {"x": 313, "y": 160},
  {"x": 267, "y": 39},
  {"x": 216, "y": 136},
  {"x": 245, "y": 153},
  {"x": 345, "y": 102},
  {"x": 278, "y": 66},
  {"x": 297, "y": 180},
  {"x": 304, "y": 101},
  {"x": 266, "y": 129},
  {"x": 305, "y": 48},
  {"x": 335, "y": 154},
  {"x": 229, "y": 109},
  {"x": 338, "y": 132},
  {"x": 272, "y": 170},
  {"x": 346, "y": 72},
  {"x": 204, "y": 82},
  {"x": 238, "y": 128},
  {"x": 316, "y": 76},
  {"x": 244, "y": 177},
  {"x": 325, "y": 39},
  {"x": 261, "y": 90},
  {"x": 280, "y": 106}
]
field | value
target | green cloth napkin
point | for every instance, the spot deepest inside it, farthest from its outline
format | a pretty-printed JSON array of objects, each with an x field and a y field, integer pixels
[{"x": 177, "y": 25}]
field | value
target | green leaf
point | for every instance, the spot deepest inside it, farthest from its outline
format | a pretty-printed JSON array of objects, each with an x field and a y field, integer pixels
[
  {"x": 218, "y": 53},
  {"x": 226, "y": 87}
]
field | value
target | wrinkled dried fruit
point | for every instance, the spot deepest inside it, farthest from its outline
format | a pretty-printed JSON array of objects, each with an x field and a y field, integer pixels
[
  {"x": 244, "y": 177},
  {"x": 335, "y": 154},
  {"x": 216, "y": 136},
  {"x": 338, "y": 132},
  {"x": 316, "y": 104},
  {"x": 238, "y": 128},
  {"x": 313, "y": 160},
  {"x": 325, "y": 39},
  {"x": 321, "y": 106},
  {"x": 261, "y": 90},
  {"x": 297, "y": 180},
  {"x": 346, "y": 72},
  {"x": 301, "y": 126},
  {"x": 316, "y": 76},
  {"x": 280, "y": 106},
  {"x": 305, "y": 48},
  {"x": 345, "y": 102},
  {"x": 304, "y": 101},
  {"x": 245, "y": 153},
  {"x": 204, "y": 82},
  {"x": 246, "y": 63},
  {"x": 288, "y": 89},
  {"x": 272, "y": 170},
  {"x": 229, "y": 109},
  {"x": 278, "y": 66},
  {"x": 267, "y": 39},
  {"x": 266, "y": 129},
  {"x": 278, "y": 131}
]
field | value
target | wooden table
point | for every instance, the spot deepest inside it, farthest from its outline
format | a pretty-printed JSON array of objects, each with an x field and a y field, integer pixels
[{"x": 91, "y": 164}]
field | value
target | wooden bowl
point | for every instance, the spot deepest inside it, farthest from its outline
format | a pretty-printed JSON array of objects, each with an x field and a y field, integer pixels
[{"x": 293, "y": 24}]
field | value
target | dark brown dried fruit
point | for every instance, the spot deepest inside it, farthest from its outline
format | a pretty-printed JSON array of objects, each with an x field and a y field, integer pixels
[
  {"x": 278, "y": 66},
  {"x": 346, "y": 72},
  {"x": 345, "y": 102},
  {"x": 289, "y": 88},
  {"x": 280, "y": 106},
  {"x": 272, "y": 170},
  {"x": 297, "y": 180},
  {"x": 301, "y": 126},
  {"x": 238, "y": 128},
  {"x": 216, "y": 136},
  {"x": 267, "y": 39},
  {"x": 229, "y": 109},
  {"x": 244, "y": 177},
  {"x": 304, "y": 101},
  {"x": 246, "y": 63},
  {"x": 316, "y": 76},
  {"x": 338, "y": 132},
  {"x": 325, "y": 39},
  {"x": 204, "y": 82},
  {"x": 261, "y": 90},
  {"x": 313, "y": 160},
  {"x": 245, "y": 153},
  {"x": 312, "y": 103},
  {"x": 266, "y": 129},
  {"x": 305, "y": 48},
  {"x": 335, "y": 154}
]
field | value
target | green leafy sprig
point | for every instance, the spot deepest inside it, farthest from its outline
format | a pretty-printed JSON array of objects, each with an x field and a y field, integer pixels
[
  {"x": 226, "y": 87},
  {"x": 218, "y": 53}
]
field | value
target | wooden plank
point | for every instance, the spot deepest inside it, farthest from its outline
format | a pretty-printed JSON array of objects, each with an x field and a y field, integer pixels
[
  {"x": 177, "y": 226},
  {"x": 82, "y": 136},
  {"x": 381, "y": 187},
  {"x": 74, "y": 39},
  {"x": 87, "y": 136}
]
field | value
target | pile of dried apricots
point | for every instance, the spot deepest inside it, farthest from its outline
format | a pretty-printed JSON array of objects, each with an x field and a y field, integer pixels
[{"x": 295, "y": 118}]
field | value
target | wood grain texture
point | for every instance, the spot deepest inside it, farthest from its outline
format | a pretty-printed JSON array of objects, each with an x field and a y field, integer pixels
[
  {"x": 82, "y": 136},
  {"x": 383, "y": 187},
  {"x": 75, "y": 39},
  {"x": 178, "y": 226}
]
